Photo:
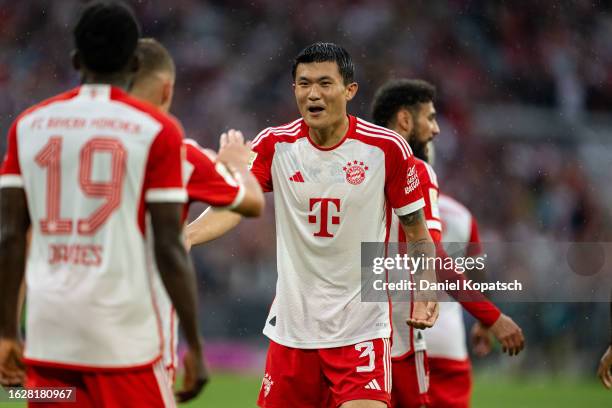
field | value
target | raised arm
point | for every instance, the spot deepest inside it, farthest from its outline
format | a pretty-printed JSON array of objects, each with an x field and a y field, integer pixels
[
  {"x": 234, "y": 153},
  {"x": 210, "y": 225}
]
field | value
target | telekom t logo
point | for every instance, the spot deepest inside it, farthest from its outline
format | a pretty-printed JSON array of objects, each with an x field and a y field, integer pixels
[{"x": 324, "y": 209}]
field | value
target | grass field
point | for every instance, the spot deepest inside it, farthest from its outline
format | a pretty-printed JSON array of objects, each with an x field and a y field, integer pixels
[
  {"x": 232, "y": 391},
  {"x": 229, "y": 391}
]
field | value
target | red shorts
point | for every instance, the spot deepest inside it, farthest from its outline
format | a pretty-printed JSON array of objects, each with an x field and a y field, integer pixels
[
  {"x": 450, "y": 383},
  {"x": 146, "y": 387},
  {"x": 301, "y": 378},
  {"x": 410, "y": 381}
]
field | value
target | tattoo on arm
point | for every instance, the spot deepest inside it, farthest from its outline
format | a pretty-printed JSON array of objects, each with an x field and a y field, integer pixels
[
  {"x": 420, "y": 246},
  {"x": 412, "y": 219}
]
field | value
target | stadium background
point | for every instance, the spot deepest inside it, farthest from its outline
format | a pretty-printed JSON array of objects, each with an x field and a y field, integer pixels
[{"x": 525, "y": 91}]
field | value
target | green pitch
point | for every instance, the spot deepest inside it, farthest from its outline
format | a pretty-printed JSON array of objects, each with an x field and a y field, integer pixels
[{"x": 232, "y": 391}]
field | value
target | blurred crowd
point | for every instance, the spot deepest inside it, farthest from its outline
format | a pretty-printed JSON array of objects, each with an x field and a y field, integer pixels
[{"x": 233, "y": 70}]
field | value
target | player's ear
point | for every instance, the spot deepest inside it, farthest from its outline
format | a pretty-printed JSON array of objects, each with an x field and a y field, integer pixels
[
  {"x": 351, "y": 90},
  {"x": 167, "y": 91},
  {"x": 404, "y": 120},
  {"x": 134, "y": 64}
]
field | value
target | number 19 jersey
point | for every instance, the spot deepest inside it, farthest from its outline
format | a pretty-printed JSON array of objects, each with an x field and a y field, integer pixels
[
  {"x": 327, "y": 202},
  {"x": 89, "y": 160}
]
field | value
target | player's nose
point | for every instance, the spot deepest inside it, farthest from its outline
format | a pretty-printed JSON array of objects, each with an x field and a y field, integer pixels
[
  {"x": 314, "y": 94},
  {"x": 435, "y": 130}
]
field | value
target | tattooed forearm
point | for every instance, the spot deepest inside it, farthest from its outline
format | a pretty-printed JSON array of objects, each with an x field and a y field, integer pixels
[
  {"x": 418, "y": 240},
  {"x": 412, "y": 219}
]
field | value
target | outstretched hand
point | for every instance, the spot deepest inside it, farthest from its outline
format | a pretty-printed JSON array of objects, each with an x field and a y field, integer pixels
[{"x": 424, "y": 314}]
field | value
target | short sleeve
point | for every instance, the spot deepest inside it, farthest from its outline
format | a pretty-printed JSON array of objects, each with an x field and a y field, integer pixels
[
  {"x": 163, "y": 174},
  {"x": 402, "y": 186},
  {"x": 10, "y": 172},
  {"x": 430, "y": 190},
  {"x": 261, "y": 161},
  {"x": 209, "y": 182}
]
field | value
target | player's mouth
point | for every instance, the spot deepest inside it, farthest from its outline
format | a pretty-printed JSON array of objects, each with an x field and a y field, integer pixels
[{"x": 315, "y": 110}]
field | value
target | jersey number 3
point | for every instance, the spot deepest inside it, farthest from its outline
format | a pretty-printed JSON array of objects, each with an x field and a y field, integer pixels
[
  {"x": 367, "y": 350},
  {"x": 110, "y": 191}
]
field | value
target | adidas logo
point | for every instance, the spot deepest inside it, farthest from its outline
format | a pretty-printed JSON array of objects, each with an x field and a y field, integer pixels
[
  {"x": 297, "y": 177},
  {"x": 373, "y": 385}
]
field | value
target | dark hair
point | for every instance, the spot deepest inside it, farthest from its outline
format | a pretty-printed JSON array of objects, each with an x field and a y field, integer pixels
[
  {"x": 106, "y": 36},
  {"x": 397, "y": 94},
  {"x": 153, "y": 57},
  {"x": 323, "y": 52}
]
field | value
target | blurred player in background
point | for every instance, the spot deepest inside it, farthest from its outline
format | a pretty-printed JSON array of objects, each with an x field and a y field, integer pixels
[
  {"x": 335, "y": 177},
  {"x": 449, "y": 364},
  {"x": 605, "y": 365},
  {"x": 205, "y": 181},
  {"x": 407, "y": 107},
  {"x": 84, "y": 169}
]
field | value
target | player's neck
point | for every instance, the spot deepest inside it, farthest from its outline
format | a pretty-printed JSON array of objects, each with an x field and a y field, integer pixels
[
  {"x": 331, "y": 135},
  {"x": 117, "y": 80}
]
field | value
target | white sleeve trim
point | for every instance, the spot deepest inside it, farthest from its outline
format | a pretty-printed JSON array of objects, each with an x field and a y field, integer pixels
[
  {"x": 237, "y": 201},
  {"x": 166, "y": 195},
  {"x": 11, "y": 180},
  {"x": 410, "y": 208},
  {"x": 435, "y": 225}
]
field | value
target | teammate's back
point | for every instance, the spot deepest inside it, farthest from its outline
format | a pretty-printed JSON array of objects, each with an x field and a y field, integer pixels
[
  {"x": 95, "y": 174},
  {"x": 88, "y": 160}
]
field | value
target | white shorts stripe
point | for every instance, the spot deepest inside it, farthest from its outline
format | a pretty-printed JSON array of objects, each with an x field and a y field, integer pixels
[
  {"x": 387, "y": 364},
  {"x": 390, "y": 386},
  {"x": 421, "y": 374},
  {"x": 165, "y": 384},
  {"x": 385, "y": 368}
]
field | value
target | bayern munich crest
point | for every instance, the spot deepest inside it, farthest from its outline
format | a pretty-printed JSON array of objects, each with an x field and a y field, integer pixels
[{"x": 355, "y": 172}]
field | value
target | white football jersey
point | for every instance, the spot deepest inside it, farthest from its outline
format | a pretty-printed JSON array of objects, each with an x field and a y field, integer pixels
[
  {"x": 89, "y": 161},
  {"x": 447, "y": 338},
  {"x": 327, "y": 202}
]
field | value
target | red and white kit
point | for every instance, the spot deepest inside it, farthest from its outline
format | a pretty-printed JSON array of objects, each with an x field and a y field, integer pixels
[
  {"x": 327, "y": 202},
  {"x": 450, "y": 370},
  {"x": 208, "y": 183},
  {"x": 89, "y": 161},
  {"x": 410, "y": 365}
]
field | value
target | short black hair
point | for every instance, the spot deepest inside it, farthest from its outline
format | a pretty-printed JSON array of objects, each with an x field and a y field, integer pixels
[
  {"x": 397, "y": 94},
  {"x": 106, "y": 35},
  {"x": 323, "y": 52}
]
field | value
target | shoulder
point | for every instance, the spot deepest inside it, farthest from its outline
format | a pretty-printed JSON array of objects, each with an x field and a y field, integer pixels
[
  {"x": 386, "y": 139},
  {"x": 166, "y": 120},
  {"x": 426, "y": 172},
  {"x": 195, "y": 152},
  {"x": 273, "y": 134},
  {"x": 64, "y": 96}
]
